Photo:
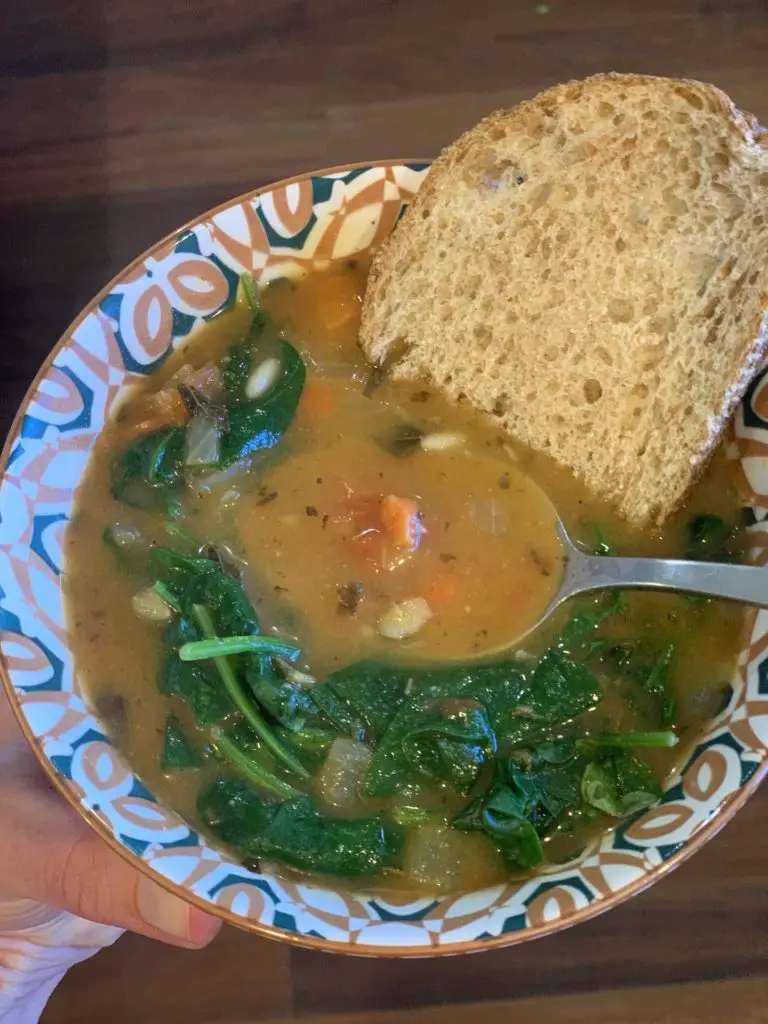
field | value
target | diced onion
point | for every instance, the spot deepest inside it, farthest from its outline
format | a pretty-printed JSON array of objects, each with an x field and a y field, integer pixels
[
  {"x": 263, "y": 378},
  {"x": 202, "y": 442},
  {"x": 340, "y": 780},
  {"x": 405, "y": 618},
  {"x": 148, "y": 605},
  {"x": 441, "y": 442},
  {"x": 124, "y": 536}
]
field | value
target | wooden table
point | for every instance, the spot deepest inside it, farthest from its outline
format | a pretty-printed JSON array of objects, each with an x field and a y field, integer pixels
[{"x": 123, "y": 118}]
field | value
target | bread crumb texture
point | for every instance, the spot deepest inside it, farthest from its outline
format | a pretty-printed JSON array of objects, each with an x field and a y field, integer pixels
[{"x": 591, "y": 269}]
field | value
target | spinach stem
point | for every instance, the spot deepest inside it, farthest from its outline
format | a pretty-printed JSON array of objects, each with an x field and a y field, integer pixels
[
  {"x": 637, "y": 739},
  {"x": 239, "y": 697},
  {"x": 216, "y": 647},
  {"x": 249, "y": 293},
  {"x": 250, "y": 768},
  {"x": 165, "y": 595}
]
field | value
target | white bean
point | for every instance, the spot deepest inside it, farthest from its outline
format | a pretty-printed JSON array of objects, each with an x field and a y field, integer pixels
[
  {"x": 441, "y": 442},
  {"x": 148, "y": 604},
  {"x": 405, "y": 618},
  {"x": 263, "y": 378}
]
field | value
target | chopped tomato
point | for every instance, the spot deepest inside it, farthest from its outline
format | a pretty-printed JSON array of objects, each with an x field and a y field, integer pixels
[
  {"x": 385, "y": 530},
  {"x": 401, "y": 519}
]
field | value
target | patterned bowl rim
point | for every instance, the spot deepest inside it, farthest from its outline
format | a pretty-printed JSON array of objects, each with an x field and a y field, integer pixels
[{"x": 726, "y": 811}]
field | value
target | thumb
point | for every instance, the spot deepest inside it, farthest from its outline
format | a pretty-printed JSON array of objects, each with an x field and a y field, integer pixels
[
  {"x": 50, "y": 855},
  {"x": 97, "y": 884}
]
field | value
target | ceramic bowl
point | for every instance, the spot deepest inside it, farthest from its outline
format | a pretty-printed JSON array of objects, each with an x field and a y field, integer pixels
[{"x": 124, "y": 334}]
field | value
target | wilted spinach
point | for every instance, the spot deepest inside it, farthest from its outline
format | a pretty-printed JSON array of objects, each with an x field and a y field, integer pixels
[{"x": 296, "y": 833}]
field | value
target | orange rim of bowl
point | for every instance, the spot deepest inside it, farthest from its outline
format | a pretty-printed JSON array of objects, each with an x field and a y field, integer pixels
[{"x": 725, "y": 813}]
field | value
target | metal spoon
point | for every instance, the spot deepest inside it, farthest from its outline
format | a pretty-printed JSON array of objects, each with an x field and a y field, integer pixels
[{"x": 583, "y": 573}]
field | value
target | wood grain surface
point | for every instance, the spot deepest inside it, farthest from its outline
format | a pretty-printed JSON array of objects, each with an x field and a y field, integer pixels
[{"x": 120, "y": 120}]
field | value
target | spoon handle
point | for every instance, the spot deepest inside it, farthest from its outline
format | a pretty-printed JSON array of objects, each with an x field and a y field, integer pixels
[{"x": 745, "y": 583}]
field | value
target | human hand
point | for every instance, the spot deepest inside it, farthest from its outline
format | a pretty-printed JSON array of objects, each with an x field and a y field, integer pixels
[{"x": 49, "y": 855}]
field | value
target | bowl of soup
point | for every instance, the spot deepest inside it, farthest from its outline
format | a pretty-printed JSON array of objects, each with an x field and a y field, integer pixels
[{"x": 267, "y": 612}]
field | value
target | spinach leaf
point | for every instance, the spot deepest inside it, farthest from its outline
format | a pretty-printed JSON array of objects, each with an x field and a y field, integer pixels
[
  {"x": 602, "y": 545},
  {"x": 295, "y": 833},
  {"x": 258, "y": 424},
  {"x": 560, "y": 689},
  {"x": 245, "y": 752},
  {"x": 657, "y": 682},
  {"x": 193, "y": 580},
  {"x": 707, "y": 536},
  {"x": 546, "y": 789},
  {"x": 364, "y": 695},
  {"x": 620, "y": 785},
  {"x": 500, "y": 814},
  {"x": 450, "y": 743},
  {"x": 196, "y": 685},
  {"x": 311, "y": 743},
  {"x": 289, "y": 703},
  {"x": 444, "y": 728},
  {"x": 422, "y": 742},
  {"x": 178, "y": 751},
  {"x": 234, "y": 813},
  {"x": 152, "y": 464},
  {"x": 588, "y": 619}
]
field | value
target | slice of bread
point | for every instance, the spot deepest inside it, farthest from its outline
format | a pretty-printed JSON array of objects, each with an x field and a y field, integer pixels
[{"x": 590, "y": 268}]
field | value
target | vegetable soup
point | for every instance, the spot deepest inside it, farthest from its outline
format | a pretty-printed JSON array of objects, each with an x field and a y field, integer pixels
[{"x": 295, "y": 592}]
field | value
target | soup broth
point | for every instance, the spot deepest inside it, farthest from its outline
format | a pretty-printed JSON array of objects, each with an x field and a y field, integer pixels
[{"x": 396, "y": 545}]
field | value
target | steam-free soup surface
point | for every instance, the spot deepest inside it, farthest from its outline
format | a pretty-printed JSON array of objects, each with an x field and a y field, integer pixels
[{"x": 396, "y": 546}]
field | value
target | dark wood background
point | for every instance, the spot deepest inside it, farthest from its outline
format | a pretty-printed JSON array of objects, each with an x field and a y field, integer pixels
[{"x": 120, "y": 120}]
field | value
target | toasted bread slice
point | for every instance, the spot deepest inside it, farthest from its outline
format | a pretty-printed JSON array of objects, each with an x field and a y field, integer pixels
[{"x": 590, "y": 268}]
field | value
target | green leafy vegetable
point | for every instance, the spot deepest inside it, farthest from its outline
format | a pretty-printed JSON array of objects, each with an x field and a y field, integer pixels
[
  {"x": 581, "y": 628},
  {"x": 258, "y": 424},
  {"x": 200, "y": 650},
  {"x": 601, "y": 546},
  {"x": 500, "y": 814},
  {"x": 239, "y": 697},
  {"x": 208, "y": 702},
  {"x": 620, "y": 785},
  {"x": 364, "y": 695},
  {"x": 630, "y": 740},
  {"x": 178, "y": 751},
  {"x": 560, "y": 689},
  {"x": 246, "y": 287},
  {"x": 243, "y": 758},
  {"x": 707, "y": 536},
  {"x": 296, "y": 833},
  {"x": 658, "y": 683},
  {"x": 154, "y": 463}
]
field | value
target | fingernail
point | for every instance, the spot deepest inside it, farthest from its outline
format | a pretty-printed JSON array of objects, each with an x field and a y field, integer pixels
[{"x": 161, "y": 910}]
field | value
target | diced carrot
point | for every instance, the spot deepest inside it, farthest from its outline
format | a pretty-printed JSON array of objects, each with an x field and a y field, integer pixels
[
  {"x": 440, "y": 590},
  {"x": 337, "y": 301},
  {"x": 318, "y": 400},
  {"x": 400, "y": 518}
]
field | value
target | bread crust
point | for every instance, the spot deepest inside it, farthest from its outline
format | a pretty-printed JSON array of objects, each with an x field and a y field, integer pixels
[{"x": 740, "y": 336}]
